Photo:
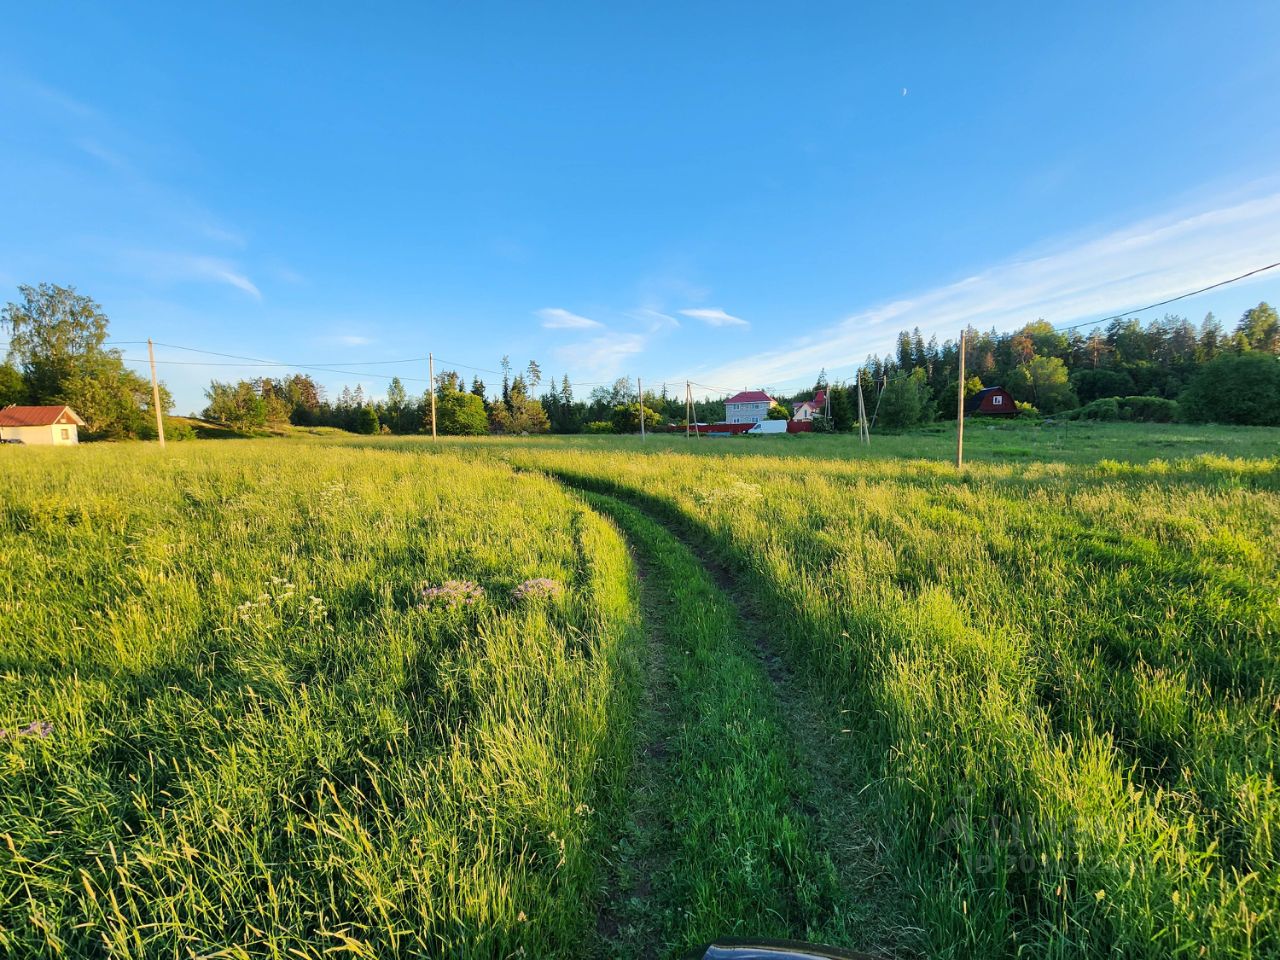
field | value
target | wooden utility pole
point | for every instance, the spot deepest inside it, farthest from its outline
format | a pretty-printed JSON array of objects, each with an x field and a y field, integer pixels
[
  {"x": 864, "y": 429},
  {"x": 431, "y": 386},
  {"x": 640, "y": 390},
  {"x": 688, "y": 411},
  {"x": 155, "y": 393},
  {"x": 960, "y": 408}
]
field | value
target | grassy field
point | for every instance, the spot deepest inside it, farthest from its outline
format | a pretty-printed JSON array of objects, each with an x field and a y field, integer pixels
[
  {"x": 1031, "y": 709},
  {"x": 1012, "y": 443},
  {"x": 261, "y": 741},
  {"x": 1062, "y": 680}
]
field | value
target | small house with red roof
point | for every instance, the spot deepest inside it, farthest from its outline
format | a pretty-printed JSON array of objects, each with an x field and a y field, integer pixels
[
  {"x": 808, "y": 409},
  {"x": 56, "y": 426},
  {"x": 749, "y": 406}
]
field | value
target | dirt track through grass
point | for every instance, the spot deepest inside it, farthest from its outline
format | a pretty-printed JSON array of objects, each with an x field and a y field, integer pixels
[
  {"x": 745, "y": 815},
  {"x": 627, "y": 926}
]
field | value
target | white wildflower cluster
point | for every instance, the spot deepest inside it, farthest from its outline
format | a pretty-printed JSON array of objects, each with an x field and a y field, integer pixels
[
  {"x": 40, "y": 729},
  {"x": 452, "y": 593},
  {"x": 273, "y": 596},
  {"x": 463, "y": 593},
  {"x": 539, "y": 588},
  {"x": 737, "y": 492}
]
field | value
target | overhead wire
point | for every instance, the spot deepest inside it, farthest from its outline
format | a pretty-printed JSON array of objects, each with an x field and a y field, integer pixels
[{"x": 340, "y": 367}]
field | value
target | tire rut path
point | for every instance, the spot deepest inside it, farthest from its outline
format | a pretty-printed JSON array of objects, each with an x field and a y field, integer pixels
[{"x": 830, "y": 785}]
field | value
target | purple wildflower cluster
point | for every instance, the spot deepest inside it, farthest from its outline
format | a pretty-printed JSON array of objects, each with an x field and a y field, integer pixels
[
  {"x": 536, "y": 589},
  {"x": 37, "y": 728},
  {"x": 452, "y": 593}
]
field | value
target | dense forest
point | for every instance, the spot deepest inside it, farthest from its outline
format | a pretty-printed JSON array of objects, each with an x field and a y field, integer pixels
[{"x": 1166, "y": 369}]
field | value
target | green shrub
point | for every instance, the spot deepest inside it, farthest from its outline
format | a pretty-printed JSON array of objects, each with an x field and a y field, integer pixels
[
  {"x": 1241, "y": 388},
  {"x": 1108, "y": 408},
  {"x": 905, "y": 402},
  {"x": 598, "y": 426},
  {"x": 366, "y": 421},
  {"x": 1137, "y": 409},
  {"x": 626, "y": 418},
  {"x": 461, "y": 414},
  {"x": 178, "y": 430},
  {"x": 1148, "y": 409}
]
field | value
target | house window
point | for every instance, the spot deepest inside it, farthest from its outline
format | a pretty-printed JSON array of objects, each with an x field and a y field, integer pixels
[
  {"x": 997, "y": 401},
  {"x": 66, "y": 434}
]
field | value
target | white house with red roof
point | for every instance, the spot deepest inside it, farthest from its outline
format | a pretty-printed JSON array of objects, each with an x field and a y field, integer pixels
[
  {"x": 808, "y": 409},
  {"x": 56, "y": 426},
  {"x": 749, "y": 406}
]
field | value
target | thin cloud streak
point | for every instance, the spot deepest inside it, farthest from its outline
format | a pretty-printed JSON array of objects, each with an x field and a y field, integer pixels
[
  {"x": 220, "y": 271},
  {"x": 1123, "y": 269},
  {"x": 602, "y": 357},
  {"x": 555, "y": 318},
  {"x": 171, "y": 267},
  {"x": 715, "y": 318}
]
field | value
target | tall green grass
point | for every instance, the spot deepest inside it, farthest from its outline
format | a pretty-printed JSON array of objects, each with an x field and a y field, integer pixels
[
  {"x": 262, "y": 746},
  {"x": 1066, "y": 677}
]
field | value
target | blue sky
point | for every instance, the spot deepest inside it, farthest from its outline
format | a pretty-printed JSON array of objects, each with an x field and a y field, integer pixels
[{"x": 736, "y": 193}]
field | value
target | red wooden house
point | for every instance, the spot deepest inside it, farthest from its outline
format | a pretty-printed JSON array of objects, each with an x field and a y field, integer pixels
[{"x": 991, "y": 402}]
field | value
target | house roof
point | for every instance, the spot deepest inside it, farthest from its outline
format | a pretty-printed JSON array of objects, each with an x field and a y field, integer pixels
[
  {"x": 974, "y": 402},
  {"x": 819, "y": 399},
  {"x": 750, "y": 396},
  {"x": 15, "y": 416}
]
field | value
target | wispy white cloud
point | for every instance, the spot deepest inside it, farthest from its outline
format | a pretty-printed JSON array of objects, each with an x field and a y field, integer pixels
[
  {"x": 602, "y": 357},
  {"x": 1072, "y": 283},
  {"x": 714, "y": 318},
  {"x": 352, "y": 340},
  {"x": 554, "y": 318},
  {"x": 51, "y": 95},
  {"x": 654, "y": 319},
  {"x": 177, "y": 267},
  {"x": 105, "y": 154},
  {"x": 135, "y": 199},
  {"x": 223, "y": 272}
]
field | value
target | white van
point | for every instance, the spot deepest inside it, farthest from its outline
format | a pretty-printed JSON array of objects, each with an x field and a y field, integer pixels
[{"x": 767, "y": 426}]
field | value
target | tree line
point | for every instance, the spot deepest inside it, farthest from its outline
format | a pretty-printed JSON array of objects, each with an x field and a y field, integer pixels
[
  {"x": 524, "y": 403},
  {"x": 1166, "y": 369}
]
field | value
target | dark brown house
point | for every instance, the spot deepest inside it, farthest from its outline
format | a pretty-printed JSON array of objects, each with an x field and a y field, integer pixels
[{"x": 991, "y": 402}]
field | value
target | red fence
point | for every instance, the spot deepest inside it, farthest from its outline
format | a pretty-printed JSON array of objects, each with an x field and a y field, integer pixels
[{"x": 793, "y": 426}]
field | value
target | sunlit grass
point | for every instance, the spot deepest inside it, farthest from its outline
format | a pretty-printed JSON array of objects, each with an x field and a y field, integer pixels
[
  {"x": 262, "y": 743},
  {"x": 1066, "y": 677},
  {"x": 237, "y": 723}
]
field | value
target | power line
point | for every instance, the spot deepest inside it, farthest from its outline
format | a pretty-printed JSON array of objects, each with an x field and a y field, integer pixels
[
  {"x": 1150, "y": 306},
  {"x": 467, "y": 366},
  {"x": 259, "y": 362},
  {"x": 1182, "y": 296},
  {"x": 337, "y": 367}
]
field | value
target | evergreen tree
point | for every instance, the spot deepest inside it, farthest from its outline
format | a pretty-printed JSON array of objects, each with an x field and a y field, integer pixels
[
  {"x": 1259, "y": 329},
  {"x": 842, "y": 409}
]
